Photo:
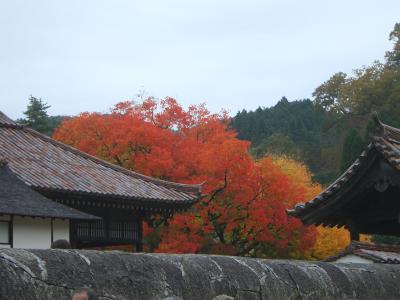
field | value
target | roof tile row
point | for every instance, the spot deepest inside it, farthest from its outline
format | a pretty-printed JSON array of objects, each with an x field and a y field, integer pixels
[{"x": 378, "y": 253}]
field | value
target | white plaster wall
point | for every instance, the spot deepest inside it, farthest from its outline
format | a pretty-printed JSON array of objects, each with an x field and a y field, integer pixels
[
  {"x": 351, "y": 258},
  {"x": 31, "y": 233},
  {"x": 35, "y": 233},
  {"x": 61, "y": 230}
]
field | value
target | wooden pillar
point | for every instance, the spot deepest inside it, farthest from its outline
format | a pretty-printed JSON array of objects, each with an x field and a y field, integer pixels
[
  {"x": 73, "y": 234},
  {"x": 52, "y": 232},
  {"x": 139, "y": 243},
  {"x": 139, "y": 247},
  {"x": 11, "y": 231},
  {"x": 354, "y": 235},
  {"x": 354, "y": 232}
]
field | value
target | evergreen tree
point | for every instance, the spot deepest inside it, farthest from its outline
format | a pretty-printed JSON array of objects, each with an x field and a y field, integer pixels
[{"x": 36, "y": 115}]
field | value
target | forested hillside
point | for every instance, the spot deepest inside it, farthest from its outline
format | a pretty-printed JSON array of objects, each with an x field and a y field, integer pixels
[
  {"x": 291, "y": 128},
  {"x": 304, "y": 131},
  {"x": 328, "y": 131}
]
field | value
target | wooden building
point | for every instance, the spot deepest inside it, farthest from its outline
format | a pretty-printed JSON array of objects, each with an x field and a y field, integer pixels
[
  {"x": 28, "y": 219},
  {"x": 365, "y": 198},
  {"x": 113, "y": 201}
]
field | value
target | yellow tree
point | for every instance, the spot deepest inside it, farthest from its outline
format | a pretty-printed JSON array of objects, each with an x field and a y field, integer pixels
[{"x": 329, "y": 240}]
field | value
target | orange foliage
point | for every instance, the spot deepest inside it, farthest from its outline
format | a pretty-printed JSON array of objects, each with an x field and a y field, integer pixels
[
  {"x": 243, "y": 211},
  {"x": 366, "y": 238}
]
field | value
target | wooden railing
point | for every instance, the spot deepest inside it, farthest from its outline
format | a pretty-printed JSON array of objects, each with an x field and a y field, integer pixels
[{"x": 124, "y": 231}]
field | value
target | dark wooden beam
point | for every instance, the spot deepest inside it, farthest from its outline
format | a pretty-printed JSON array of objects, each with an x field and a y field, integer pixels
[
  {"x": 383, "y": 228},
  {"x": 52, "y": 231},
  {"x": 139, "y": 245},
  {"x": 11, "y": 231},
  {"x": 354, "y": 235},
  {"x": 372, "y": 217}
]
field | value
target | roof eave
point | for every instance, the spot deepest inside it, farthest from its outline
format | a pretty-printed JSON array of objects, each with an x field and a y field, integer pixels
[
  {"x": 88, "y": 217},
  {"x": 307, "y": 211},
  {"x": 136, "y": 201}
]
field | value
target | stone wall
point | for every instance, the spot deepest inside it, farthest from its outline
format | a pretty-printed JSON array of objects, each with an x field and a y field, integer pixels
[{"x": 54, "y": 274}]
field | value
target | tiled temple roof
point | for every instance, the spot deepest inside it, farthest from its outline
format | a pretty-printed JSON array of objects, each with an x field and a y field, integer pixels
[
  {"x": 48, "y": 165},
  {"x": 6, "y": 120},
  {"x": 385, "y": 142}
]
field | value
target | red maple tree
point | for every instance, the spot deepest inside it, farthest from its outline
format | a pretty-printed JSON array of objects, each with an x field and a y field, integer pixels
[{"x": 243, "y": 211}]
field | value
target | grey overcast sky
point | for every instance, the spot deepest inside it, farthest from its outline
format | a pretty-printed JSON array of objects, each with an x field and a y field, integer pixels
[{"x": 88, "y": 55}]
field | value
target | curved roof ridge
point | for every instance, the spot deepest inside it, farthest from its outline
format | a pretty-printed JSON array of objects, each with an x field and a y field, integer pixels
[
  {"x": 384, "y": 130},
  {"x": 6, "y": 121},
  {"x": 335, "y": 186}
]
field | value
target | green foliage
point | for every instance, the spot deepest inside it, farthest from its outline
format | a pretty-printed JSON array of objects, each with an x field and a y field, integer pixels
[
  {"x": 298, "y": 120},
  {"x": 37, "y": 117},
  {"x": 352, "y": 148},
  {"x": 36, "y": 113},
  {"x": 393, "y": 57},
  {"x": 276, "y": 144},
  {"x": 386, "y": 239},
  {"x": 329, "y": 94},
  {"x": 375, "y": 87},
  {"x": 53, "y": 122}
]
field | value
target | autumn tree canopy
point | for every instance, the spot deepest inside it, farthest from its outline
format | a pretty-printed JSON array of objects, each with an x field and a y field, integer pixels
[{"x": 243, "y": 210}]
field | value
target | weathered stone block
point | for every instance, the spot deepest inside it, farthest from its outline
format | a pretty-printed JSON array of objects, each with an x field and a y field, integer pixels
[{"x": 55, "y": 274}]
